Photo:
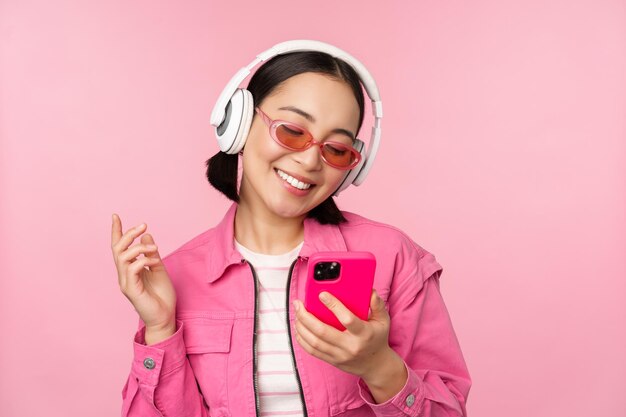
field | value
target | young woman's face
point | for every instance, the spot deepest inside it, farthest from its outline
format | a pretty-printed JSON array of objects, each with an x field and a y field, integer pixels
[{"x": 332, "y": 105}]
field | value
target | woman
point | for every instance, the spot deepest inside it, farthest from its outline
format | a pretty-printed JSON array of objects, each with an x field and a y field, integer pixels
[{"x": 222, "y": 329}]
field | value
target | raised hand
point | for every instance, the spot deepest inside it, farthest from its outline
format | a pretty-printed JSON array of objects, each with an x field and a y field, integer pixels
[{"x": 144, "y": 280}]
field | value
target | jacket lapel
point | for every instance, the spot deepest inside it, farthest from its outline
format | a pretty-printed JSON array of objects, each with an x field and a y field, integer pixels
[{"x": 222, "y": 254}]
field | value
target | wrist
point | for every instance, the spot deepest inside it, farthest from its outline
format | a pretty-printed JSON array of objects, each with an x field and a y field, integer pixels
[
  {"x": 155, "y": 334},
  {"x": 389, "y": 370}
]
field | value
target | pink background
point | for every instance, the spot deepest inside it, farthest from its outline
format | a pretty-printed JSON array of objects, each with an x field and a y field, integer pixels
[{"x": 503, "y": 153}]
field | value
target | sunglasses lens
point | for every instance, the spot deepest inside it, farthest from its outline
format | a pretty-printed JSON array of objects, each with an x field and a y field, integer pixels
[
  {"x": 338, "y": 154},
  {"x": 296, "y": 138},
  {"x": 292, "y": 136}
]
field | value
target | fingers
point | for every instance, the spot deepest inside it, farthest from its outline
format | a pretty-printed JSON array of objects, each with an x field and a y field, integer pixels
[
  {"x": 148, "y": 240},
  {"x": 116, "y": 229},
  {"x": 126, "y": 258},
  {"x": 351, "y": 350},
  {"x": 315, "y": 326},
  {"x": 131, "y": 253},
  {"x": 156, "y": 263},
  {"x": 310, "y": 341},
  {"x": 135, "y": 268},
  {"x": 131, "y": 283},
  {"x": 129, "y": 265},
  {"x": 313, "y": 350},
  {"x": 350, "y": 321},
  {"x": 377, "y": 307},
  {"x": 119, "y": 241}
]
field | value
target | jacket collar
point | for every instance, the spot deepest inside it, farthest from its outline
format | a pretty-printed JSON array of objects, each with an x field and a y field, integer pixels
[{"x": 222, "y": 253}]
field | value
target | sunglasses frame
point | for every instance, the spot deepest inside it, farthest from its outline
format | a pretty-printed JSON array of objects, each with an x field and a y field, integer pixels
[{"x": 273, "y": 124}]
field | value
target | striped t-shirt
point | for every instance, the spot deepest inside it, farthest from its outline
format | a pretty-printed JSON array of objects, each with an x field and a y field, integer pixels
[{"x": 278, "y": 389}]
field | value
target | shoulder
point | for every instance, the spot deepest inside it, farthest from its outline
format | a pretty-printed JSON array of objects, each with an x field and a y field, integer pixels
[
  {"x": 196, "y": 260},
  {"x": 393, "y": 248},
  {"x": 378, "y": 233}
]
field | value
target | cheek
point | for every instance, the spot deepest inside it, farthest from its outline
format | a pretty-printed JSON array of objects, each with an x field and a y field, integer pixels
[
  {"x": 266, "y": 150},
  {"x": 336, "y": 176},
  {"x": 257, "y": 153}
]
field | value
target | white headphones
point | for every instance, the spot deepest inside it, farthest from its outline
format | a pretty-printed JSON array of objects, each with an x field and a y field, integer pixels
[{"x": 234, "y": 109}]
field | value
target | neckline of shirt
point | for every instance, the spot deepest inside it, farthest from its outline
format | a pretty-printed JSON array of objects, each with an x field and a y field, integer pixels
[{"x": 265, "y": 259}]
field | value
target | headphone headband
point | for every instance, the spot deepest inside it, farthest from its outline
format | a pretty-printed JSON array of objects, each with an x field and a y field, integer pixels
[{"x": 219, "y": 113}]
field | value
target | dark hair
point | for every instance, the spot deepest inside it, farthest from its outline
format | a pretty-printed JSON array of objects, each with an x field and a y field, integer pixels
[{"x": 222, "y": 167}]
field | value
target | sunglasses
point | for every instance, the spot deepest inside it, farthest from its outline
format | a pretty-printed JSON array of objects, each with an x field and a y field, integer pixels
[{"x": 296, "y": 138}]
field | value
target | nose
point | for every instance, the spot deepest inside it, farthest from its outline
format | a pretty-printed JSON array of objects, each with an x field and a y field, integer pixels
[{"x": 310, "y": 159}]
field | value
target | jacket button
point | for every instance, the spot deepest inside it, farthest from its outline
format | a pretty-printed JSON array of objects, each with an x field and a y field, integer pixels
[
  {"x": 410, "y": 400},
  {"x": 148, "y": 363}
]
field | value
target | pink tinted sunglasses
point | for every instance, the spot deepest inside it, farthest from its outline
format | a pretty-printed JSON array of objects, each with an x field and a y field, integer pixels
[{"x": 296, "y": 138}]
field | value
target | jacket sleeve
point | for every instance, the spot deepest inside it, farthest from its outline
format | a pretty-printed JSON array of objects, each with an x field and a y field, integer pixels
[
  {"x": 161, "y": 381},
  {"x": 421, "y": 333}
]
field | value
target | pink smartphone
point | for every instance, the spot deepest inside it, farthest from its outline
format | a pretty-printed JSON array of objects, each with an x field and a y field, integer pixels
[{"x": 349, "y": 276}]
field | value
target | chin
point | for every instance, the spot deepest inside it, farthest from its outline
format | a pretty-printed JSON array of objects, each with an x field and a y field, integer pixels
[
  {"x": 289, "y": 212},
  {"x": 287, "y": 209},
  {"x": 288, "y": 206}
]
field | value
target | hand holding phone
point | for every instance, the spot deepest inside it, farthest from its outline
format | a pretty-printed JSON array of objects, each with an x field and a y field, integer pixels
[{"x": 349, "y": 276}]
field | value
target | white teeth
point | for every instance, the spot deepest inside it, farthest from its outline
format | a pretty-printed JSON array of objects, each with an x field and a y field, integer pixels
[{"x": 294, "y": 182}]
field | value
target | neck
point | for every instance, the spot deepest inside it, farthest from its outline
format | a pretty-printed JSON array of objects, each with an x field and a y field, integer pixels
[{"x": 262, "y": 231}]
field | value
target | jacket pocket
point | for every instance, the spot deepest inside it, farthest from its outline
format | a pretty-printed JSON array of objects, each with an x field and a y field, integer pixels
[
  {"x": 204, "y": 335},
  {"x": 207, "y": 342}
]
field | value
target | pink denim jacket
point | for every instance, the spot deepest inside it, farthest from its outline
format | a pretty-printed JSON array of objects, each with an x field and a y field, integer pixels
[{"x": 207, "y": 368}]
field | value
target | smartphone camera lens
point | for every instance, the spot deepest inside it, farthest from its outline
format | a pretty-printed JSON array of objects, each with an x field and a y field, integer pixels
[{"x": 326, "y": 271}]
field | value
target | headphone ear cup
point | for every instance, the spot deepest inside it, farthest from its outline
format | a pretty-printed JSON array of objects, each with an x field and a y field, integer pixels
[
  {"x": 354, "y": 172},
  {"x": 232, "y": 132},
  {"x": 246, "y": 122}
]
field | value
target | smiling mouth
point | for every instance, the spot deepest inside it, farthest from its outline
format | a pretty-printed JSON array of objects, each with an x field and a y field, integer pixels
[{"x": 292, "y": 181}]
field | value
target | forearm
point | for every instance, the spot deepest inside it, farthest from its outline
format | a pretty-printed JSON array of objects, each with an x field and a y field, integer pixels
[{"x": 387, "y": 378}]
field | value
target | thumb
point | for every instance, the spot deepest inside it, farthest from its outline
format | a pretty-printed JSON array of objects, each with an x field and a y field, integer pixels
[{"x": 377, "y": 305}]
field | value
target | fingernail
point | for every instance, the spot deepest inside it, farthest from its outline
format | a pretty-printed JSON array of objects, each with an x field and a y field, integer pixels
[
  {"x": 296, "y": 306},
  {"x": 141, "y": 226},
  {"x": 324, "y": 297}
]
